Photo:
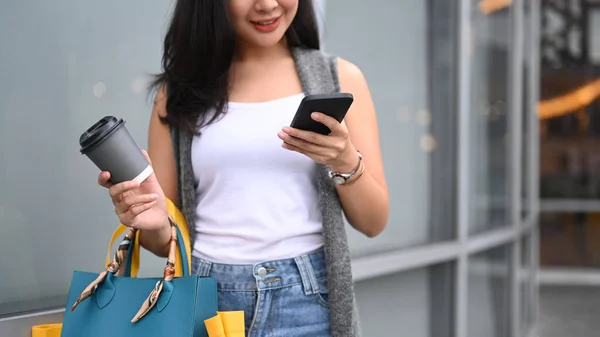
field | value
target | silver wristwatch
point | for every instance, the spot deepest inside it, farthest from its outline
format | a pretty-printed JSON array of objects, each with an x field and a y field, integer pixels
[{"x": 343, "y": 178}]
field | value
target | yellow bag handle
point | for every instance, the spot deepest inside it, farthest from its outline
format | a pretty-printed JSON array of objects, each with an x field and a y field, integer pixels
[{"x": 179, "y": 219}]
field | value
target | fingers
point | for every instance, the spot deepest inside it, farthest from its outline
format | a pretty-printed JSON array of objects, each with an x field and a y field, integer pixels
[
  {"x": 128, "y": 217},
  {"x": 128, "y": 205},
  {"x": 119, "y": 191},
  {"x": 325, "y": 145},
  {"x": 319, "y": 158},
  {"x": 309, "y": 136},
  {"x": 338, "y": 131},
  {"x": 133, "y": 200},
  {"x": 330, "y": 122},
  {"x": 314, "y": 156},
  {"x": 103, "y": 178},
  {"x": 301, "y": 143}
]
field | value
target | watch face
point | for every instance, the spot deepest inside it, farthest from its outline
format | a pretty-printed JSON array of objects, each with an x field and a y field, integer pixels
[{"x": 339, "y": 180}]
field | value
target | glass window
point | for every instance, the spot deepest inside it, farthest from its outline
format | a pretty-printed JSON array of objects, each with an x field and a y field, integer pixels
[
  {"x": 569, "y": 124},
  {"x": 64, "y": 65},
  {"x": 526, "y": 155},
  {"x": 489, "y": 284},
  {"x": 419, "y": 302},
  {"x": 526, "y": 278},
  {"x": 489, "y": 146},
  {"x": 594, "y": 37},
  {"x": 570, "y": 239},
  {"x": 569, "y": 135},
  {"x": 408, "y": 59}
]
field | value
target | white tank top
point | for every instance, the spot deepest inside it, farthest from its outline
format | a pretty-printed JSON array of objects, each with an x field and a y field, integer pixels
[{"x": 256, "y": 201}]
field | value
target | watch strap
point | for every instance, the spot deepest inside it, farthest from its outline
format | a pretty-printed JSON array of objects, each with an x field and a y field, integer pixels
[{"x": 343, "y": 178}]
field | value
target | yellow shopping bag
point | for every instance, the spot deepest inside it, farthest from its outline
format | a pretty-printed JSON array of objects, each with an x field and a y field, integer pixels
[
  {"x": 226, "y": 324},
  {"x": 48, "y": 330}
]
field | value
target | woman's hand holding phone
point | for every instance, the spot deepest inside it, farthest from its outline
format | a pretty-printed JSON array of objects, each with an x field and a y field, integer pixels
[
  {"x": 138, "y": 205},
  {"x": 335, "y": 150}
]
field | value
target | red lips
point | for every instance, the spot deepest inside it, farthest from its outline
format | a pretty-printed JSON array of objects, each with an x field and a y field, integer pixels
[{"x": 266, "y": 26}]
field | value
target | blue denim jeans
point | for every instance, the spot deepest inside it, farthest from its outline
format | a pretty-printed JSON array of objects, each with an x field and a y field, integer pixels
[{"x": 283, "y": 298}]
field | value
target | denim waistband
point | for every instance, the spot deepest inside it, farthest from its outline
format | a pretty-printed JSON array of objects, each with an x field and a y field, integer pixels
[{"x": 305, "y": 269}]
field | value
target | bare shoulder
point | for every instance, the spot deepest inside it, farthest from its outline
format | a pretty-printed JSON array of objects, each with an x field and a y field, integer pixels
[
  {"x": 160, "y": 102},
  {"x": 350, "y": 75},
  {"x": 352, "y": 80}
]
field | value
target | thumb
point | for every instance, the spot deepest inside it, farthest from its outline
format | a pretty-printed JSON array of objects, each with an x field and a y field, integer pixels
[{"x": 147, "y": 157}]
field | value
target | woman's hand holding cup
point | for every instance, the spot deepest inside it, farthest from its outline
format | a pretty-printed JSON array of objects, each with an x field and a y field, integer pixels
[
  {"x": 127, "y": 173},
  {"x": 138, "y": 205}
]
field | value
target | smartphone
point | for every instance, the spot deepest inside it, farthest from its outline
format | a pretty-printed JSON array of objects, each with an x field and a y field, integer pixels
[{"x": 335, "y": 105}]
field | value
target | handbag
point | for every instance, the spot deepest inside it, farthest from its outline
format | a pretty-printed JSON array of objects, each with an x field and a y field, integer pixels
[
  {"x": 224, "y": 324},
  {"x": 114, "y": 304}
]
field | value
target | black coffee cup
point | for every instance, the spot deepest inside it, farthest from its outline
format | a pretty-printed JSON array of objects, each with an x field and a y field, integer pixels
[{"x": 110, "y": 146}]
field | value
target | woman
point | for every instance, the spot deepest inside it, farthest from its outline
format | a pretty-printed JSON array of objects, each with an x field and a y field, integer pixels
[{"x": 265, "y": 220}]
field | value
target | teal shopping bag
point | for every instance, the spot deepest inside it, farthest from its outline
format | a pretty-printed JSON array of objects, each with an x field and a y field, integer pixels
[{"x": 112, "y": 304}]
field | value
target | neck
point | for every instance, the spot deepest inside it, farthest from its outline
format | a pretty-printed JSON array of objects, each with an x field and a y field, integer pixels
[{"x": 253, "y": 53}]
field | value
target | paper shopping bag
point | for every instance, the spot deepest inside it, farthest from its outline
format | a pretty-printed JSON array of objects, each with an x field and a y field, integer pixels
[
  {"x": 226, "y": 324},
  {"x": 48, "y": 330}
]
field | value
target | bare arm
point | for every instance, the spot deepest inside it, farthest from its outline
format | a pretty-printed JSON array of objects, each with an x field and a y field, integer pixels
[
  {"x": 161, "y": 152},
  {"x": 366, "y": 202}
]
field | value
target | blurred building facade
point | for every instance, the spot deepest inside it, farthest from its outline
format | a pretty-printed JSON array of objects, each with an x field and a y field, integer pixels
[
  {"x": 456, "y": 87},
  {"x": 569, "y": 140}
]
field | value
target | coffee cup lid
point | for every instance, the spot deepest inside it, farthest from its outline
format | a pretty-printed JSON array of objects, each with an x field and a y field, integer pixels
[{"x": 98, "y": 132}]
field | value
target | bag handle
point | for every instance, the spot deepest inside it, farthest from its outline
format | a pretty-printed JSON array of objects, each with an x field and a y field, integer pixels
[
  {"x": 115, "y": 266},
  {"x": 182, "y": 260},
  {"x": 134, "y": 250}
]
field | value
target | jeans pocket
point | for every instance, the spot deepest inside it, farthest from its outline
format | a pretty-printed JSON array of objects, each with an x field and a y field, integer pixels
[{"x": 323, "y": 293}]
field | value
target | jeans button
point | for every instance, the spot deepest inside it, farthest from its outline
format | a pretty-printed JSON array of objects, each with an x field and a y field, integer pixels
[{"x": 262, "y": 272}]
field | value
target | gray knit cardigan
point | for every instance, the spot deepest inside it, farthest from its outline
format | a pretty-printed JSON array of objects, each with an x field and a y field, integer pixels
[{"x": 318, "y": 74}]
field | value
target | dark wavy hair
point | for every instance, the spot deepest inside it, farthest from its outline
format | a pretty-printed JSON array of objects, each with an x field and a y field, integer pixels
[{"x": 198, "y": 50}]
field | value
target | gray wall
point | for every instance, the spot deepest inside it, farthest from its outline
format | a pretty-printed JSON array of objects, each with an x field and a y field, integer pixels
[{"x": 64, "y": 65}]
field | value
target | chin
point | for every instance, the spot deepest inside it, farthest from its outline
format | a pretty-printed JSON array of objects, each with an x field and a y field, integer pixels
[
  {"x": 266, "y": 41},
  {"x": 261, "y": 39}
]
